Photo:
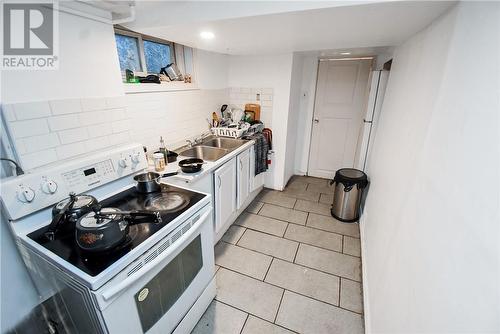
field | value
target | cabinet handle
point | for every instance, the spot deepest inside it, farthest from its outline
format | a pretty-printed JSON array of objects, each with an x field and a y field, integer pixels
[
  {"x": 241, "y": 165},
  {"x": 220, "y": 181}
]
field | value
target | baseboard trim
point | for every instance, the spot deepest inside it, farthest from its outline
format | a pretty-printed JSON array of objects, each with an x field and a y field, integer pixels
[{"x": 366, "y": 304}]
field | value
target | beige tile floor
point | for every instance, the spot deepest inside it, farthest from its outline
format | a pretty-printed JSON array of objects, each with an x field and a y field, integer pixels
[{"x": 286, "y": 266}]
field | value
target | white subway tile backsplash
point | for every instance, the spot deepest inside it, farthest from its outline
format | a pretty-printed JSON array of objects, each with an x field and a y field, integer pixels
[
  {"x": 33, "y": 127},
  {"x": 39, "y": 158},
  {"x": 92, "y": 104},
  {"x": 267, "y": 103},
  {"x": 119, "y": 138},
  {"x": 266, "y": 97},
  {"x": 96, "y": 144},
  {"x": 63, "y": 122},
  {"x": 120, "y": 126},
  {"x": 31, "y": 110},
  {"x": 99, "y": 130},
  {"x": 78, "y": 126},
  {"x": 62, "y": 107},
  {"x": 73, "y": 135},
  {"x": 94, "y": 117},
  {"x": 8, "y": 112},
  {"x": 116, "y": 114},
  {"x": 116, "y": 102},
  {"x": 38, "y": 143},
  {"x": 70, "y": 150}
]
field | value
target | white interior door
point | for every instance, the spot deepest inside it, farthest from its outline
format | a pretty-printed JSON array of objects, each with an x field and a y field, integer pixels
[{"x": 341, "y": 97}]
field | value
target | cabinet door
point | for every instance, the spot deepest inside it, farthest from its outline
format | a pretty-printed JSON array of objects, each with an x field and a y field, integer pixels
[
  {"x": 243, "y": 177},
  {"x": 225, "y": 193},
  {"x": 256, "y": 181}
]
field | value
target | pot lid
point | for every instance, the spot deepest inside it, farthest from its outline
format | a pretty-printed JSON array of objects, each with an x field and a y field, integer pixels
[
  {"x": 80, "y": 202},
  {"x": 89, "y": 220}
]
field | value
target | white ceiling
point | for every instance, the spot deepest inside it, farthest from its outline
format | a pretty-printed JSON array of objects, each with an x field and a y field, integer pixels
[{"x": 345, "y": 25}]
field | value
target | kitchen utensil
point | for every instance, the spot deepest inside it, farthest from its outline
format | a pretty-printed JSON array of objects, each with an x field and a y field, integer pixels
[
  {"x": 237, "y": 115},
  {"x": 173, "y": 72},
  {"x": 106, "y": 228},
  {"x": 222, "y": 109},
  {"x": 255, "y": 108},
  {"x": 249, "y": 116},
  {"x": 191, "y": 165},
  {"x": 150, "y": 182},
  {"x": 69, "y": 210}
]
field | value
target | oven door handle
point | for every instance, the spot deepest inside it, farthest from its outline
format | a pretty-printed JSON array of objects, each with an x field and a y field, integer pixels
[{"x": 109, "y": 294}]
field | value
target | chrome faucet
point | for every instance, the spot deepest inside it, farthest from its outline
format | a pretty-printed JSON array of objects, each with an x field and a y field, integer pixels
[{"x": 198, "y": 140}]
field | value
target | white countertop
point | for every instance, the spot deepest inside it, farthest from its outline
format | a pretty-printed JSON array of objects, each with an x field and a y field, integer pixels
[{"x": 208, "y": 167}]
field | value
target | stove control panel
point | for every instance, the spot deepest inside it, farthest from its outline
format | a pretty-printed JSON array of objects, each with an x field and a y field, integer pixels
[{"x": 48, "y": 185}]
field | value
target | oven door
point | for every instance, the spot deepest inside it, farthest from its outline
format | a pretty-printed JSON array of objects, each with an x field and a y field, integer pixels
[{"x": 155, "y": 298}]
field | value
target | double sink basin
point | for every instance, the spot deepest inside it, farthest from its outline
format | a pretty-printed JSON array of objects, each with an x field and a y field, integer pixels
[{"x": 212, "y": 148}]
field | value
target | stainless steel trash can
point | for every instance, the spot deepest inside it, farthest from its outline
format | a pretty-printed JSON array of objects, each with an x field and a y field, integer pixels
[{"x": 349, "y": 184}]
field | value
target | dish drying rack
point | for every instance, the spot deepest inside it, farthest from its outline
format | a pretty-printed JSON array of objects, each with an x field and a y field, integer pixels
[{"x": 229, "y": 132}]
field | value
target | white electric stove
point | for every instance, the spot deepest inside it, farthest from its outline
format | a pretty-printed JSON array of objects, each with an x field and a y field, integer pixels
[{"x": 160, "y": 280}]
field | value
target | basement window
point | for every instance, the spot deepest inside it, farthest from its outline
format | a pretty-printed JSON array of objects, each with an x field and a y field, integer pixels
[{"x": 145, "y": 54}]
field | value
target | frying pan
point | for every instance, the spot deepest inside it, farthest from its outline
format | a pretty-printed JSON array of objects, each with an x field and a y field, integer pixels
[{"x": 191, "y": 165}]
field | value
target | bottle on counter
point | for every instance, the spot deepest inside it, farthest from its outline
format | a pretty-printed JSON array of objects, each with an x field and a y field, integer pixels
[
  {"x": 163, "y": 149},
  {"x": 159, "y": 161},
  {"x": 149, "y": 156}
]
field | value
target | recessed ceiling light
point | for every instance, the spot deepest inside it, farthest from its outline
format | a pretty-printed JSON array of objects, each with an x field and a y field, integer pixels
[
  {"x": 345, "y": 53},
  {"x": 207, "y": 35}
]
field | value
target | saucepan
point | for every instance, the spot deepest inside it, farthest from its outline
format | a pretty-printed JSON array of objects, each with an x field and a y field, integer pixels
[{"x": 150, "y": 182}]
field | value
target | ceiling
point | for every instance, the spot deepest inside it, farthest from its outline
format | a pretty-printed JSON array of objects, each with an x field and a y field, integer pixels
[{"x": 281, "y": 27}]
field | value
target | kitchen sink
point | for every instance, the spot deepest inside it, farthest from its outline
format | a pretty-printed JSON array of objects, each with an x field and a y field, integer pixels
[
  {"x": 204, "y": 152},
  {"x": 226, "y": 143}
]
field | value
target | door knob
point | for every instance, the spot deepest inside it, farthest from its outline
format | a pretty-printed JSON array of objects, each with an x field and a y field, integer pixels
[{"x": 316, "y": 120}]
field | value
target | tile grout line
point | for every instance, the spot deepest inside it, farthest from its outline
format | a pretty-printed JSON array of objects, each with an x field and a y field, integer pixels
[
  {"x": 268, "y": 268},
  {"x": 282, "y": 288},
  {"x": 296, "y": 252},
  {"x": 279, "y": 306},
  {"x": 340, "y": 289},
  {"x": 299, "y": 264},
  {"x": 288, "y": 239},
  {"x": 241, "y": 236},
  {"x": 244, "y": 323},
  {"x": 254, "y": 315}
]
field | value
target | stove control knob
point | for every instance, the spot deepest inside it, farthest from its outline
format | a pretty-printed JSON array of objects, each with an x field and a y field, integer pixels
[
  {"x": 123, "y": 162},
  {"x": 49, "y": 187},
  {"x": 25, "y": 194},
  {"x": 135, "y": 158}
]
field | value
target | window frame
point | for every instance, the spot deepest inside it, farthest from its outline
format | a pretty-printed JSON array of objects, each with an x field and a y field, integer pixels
[{"x": 140, "y": 41}]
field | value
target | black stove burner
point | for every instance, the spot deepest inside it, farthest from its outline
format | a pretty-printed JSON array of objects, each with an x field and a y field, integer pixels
[
  {"x": 167, "y": 202},
  {"x": 174, "y": 202}
]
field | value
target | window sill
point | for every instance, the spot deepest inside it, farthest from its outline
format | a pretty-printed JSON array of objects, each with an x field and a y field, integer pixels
[{"x": 134, "y": 88}]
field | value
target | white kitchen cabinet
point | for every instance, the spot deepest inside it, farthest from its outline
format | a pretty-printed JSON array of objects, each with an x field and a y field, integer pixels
[
  {"x": 243, "y": 175},
  {"x": 225, "y": 193},
  {"x": 256, "y": 181}
]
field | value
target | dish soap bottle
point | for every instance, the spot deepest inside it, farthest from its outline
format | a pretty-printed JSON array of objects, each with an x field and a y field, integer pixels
[{"x": 163, "y": 149}]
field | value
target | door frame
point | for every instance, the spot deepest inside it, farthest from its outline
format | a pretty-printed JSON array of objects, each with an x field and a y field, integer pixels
[{"x": 311, "y": 120}]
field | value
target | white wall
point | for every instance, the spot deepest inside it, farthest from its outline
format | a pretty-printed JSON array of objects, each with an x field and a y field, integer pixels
[
  {"x": 294, "y": 116},
  {"x": 272, "y": 72},
  {"x": 88, "y": 66},
  {"x": 212, "y": 70},
  {"x": 430, "y": 231},
  {"x": 306, "y": 110}
]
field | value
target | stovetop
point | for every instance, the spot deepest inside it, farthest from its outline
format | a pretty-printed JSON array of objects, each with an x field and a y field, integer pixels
[{"x": 64, "y": 244}]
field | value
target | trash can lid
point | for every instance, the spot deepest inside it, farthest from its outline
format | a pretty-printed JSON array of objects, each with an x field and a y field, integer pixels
[{"x": 351, "y": 176}]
